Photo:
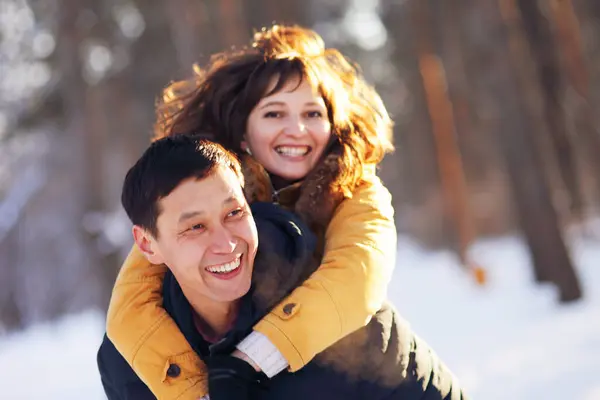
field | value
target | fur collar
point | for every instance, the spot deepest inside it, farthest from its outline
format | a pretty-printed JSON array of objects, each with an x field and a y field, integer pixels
[{"x": 314, "y": 199}]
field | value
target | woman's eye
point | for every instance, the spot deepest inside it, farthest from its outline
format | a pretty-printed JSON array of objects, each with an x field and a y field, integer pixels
[
  {"x": 197, "y": 227},
  {"x": 273, "y": 114},
  {"x": 314, "y": 114}
]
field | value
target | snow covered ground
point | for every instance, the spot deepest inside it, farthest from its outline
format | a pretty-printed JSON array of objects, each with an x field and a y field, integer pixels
[
  {"x": 53, "y": 361},
  {"x": 507, "y": 340}
]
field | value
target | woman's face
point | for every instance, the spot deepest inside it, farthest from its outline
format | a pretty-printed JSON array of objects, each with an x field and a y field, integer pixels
[{"x": 287, "y": 132}]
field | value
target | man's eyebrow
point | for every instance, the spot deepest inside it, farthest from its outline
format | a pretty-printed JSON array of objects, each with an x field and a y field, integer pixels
[
  {"x": 231, "y": 199},
  {"x": 190, "y": 214}
]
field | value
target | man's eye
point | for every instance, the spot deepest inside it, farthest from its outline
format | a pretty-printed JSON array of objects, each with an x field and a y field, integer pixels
[
  {"x": 236, "y": 213},
  {"x": 197, "y": 227}
]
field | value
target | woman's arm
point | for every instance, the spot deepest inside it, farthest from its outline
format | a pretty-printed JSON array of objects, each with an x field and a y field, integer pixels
[
  {"x": 148, "y": 338},
  {"x": 349, "y": 286}
]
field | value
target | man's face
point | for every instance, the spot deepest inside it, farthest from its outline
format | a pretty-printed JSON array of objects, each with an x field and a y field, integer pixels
[{"x": 206, "y": 236}]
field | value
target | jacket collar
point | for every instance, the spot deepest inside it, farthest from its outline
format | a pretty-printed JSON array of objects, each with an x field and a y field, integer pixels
[
  {"x": 179, "y": 308},
  {"x": 287, "y": 196}
]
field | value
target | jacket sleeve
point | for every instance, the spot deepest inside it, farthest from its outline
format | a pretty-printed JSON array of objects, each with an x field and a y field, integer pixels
[
  {"x": 349, "y": 286},
  {"x": 147, "y": 337},
  {"x": 392, "y": 362},
  {"x": 401, "y": 365},
  {"x": 118, "y": 379},
  {"x": 428, "y": 377}
]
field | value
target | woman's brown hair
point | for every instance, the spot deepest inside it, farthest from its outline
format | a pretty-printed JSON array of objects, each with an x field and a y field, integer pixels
[{"x": 220, "y": 97}]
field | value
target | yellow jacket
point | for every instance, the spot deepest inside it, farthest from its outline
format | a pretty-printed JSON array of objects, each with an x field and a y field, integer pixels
[{"x": 340, "y": 297}]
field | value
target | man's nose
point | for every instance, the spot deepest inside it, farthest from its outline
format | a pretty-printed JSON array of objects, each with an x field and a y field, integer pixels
[{"x": 223, "y": 241}]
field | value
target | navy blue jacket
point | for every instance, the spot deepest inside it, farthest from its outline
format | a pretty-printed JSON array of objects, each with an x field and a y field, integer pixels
[{"x": 384, "y": 360}]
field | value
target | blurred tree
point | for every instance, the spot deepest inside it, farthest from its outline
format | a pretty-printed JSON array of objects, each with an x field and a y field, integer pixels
[
  {"x": 195, "y": 31},
  {"x": 418, "y": 195},
  {"x": 233, "y": 29},
  {"x": 573, "y": 60},
  {"x": 465, "y": 42},
  {"x": 263, "y": 13},
  {"x": 537, "y": 215},
  {"x": 453, "y": 179},
  {"x": 548, "y": 74},
  {"x": 85, "y": 125},
  {"x": 11, "y": 317}
]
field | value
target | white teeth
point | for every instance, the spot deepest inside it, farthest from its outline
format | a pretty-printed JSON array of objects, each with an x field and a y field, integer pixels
[
  {"x": 293, "y": 151},
  {"x": 224, "y": 268}
]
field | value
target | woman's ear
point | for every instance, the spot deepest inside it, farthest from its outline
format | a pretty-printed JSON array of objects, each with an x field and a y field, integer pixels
[
  {"x": 244, "y": 146},
  {"x": 147, "y": 244}
]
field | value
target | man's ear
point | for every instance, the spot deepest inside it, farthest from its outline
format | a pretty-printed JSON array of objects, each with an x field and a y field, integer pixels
[{"x": 147, "y": 244}]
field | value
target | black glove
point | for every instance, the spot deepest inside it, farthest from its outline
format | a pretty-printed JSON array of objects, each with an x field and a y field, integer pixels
[{"x": 231, "y": 378}]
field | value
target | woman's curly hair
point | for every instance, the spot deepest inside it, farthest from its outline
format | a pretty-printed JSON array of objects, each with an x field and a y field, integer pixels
[{"x": 220, "y": 97}]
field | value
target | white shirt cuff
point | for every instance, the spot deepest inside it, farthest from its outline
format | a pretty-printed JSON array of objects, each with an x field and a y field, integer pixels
[{"x": 264, "y": 353}]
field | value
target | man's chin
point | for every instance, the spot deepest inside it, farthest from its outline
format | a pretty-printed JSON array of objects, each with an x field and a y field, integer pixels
[
  {"x": 242, "y": 291},
  {"x": 234, "y": 292}
]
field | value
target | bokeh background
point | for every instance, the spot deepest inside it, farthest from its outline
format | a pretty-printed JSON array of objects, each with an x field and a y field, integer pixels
[{"x": 496, "y": 175}]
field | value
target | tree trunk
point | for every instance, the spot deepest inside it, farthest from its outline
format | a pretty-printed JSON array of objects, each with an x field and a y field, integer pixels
[
  {"x": 538, "y": 217},
  {"x": 452, "y": 50},
  {"x": 543, "y": 49},
  {"x": 419, "y": 191},
  {"x": 188, "y": 22},
  {"x": 454, "y": 185},
  {"x": 569, "y": 42},
  {"x": 263, "y": 13},
  {"x": 10, "y": 312}
]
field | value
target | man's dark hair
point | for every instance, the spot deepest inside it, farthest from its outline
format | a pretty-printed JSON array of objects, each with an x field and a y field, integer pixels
[{"x": 162, "y": 167}]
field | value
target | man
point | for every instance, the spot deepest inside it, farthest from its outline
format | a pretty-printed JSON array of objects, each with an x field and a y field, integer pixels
[{"x": 185, "y": 199}]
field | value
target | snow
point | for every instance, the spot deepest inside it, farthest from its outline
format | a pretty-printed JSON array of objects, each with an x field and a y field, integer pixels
[
  {"x": 507, "y": 340},
  {"x": 53, "y": 361}
]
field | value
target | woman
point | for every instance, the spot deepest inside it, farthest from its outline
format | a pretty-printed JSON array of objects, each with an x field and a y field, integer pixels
[{"x": 309, "y": 131}]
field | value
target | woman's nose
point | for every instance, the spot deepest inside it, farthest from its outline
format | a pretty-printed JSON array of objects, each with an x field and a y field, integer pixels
[{"x": 295, "y": 127}]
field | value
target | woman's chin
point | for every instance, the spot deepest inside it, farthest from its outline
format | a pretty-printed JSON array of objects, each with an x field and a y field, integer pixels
[{"x": 290, "y": 177}]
